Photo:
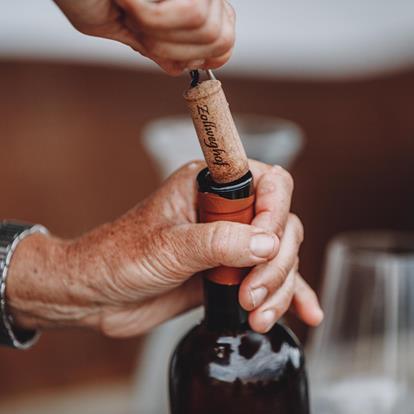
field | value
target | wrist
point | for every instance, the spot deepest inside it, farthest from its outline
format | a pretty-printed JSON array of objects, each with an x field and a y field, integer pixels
[{"x": 43, "y": 287}]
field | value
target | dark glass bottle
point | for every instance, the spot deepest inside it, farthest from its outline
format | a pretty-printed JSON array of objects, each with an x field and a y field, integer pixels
[{"x": 221, "y": 366}]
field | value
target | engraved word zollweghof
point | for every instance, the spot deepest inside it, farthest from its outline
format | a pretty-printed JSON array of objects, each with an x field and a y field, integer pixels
[{"x": 210, "y": 141}]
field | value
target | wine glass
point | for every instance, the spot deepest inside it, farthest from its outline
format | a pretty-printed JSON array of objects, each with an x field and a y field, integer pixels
[{"x": 361, "y": 359}]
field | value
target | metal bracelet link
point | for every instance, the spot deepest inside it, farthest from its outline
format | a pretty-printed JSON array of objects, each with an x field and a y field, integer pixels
[{"x": 11, "y": 234}]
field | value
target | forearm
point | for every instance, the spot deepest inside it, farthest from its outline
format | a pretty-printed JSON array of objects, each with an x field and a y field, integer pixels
[{"x": 45, "y": 287}]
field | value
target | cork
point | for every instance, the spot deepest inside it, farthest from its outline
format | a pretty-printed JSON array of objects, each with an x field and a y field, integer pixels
[{"x": 216, "y": 131}]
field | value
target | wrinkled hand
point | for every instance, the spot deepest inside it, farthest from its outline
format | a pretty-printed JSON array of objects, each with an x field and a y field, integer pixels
[
  {"x": 130, "y": 275},
  {"x": 176, "y": 34}
]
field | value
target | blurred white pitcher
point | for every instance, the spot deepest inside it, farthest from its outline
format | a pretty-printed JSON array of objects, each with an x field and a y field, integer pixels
[{"x": 172, "y": 142}]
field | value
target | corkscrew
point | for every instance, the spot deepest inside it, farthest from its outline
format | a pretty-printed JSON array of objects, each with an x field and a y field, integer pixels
[{"x": 195, "y": 76}]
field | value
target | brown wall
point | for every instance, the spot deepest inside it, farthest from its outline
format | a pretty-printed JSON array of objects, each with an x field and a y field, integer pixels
[{"x": 71, "y": 158}]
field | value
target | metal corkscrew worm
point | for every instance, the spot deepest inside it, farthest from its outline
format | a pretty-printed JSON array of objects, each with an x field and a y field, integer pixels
[{"x": 195, "y": 76}]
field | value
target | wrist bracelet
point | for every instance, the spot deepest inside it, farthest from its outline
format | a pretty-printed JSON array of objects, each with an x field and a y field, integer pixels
[{"x": 11, "y": 234}]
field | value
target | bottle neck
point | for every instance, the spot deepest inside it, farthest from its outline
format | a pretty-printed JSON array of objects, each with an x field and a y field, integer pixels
[
  {"x": 222, "y": 307},
  {"x": 221, "y": 300}
]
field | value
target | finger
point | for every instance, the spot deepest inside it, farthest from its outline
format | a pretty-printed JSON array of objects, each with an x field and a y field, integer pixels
[
  {"x": 263, "y": 318},
  {"x": 230, "y": 12},
  {"x": 187, "y": 249},
  {"x": 205, "y": 34},
  {"x": 214, "y": 63},
  {"x": 171, "y": 14},
  {"x": 127, "y": 37},
  {"x": 172, "y": 67},
  {"x": 258, "y": 168},
  {"x": 217, "y": 62},
  {"x": 265, "y": 279},
  {"x": 188, "y": 171},
  {"x": 305, "y": 303},
  {"x": 105, "y": 20},
  {"x": 273, "y": 199},
  {"x": 186, "y": 52},
  {"x": 132, "y": 320},
  {"x": 100, "y": 19}
]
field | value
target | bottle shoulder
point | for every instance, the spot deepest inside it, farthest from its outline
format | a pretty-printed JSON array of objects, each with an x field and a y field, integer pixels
[
  {"x": 245, "y": 355},
  {"x": 276, "y": 337}
]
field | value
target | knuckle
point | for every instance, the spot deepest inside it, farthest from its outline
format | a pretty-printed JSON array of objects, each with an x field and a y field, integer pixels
[
  {"x": 89, "y": 30},
  {"x": 298, "y": 228},
  {"x": 282, "y": 273},
  {"x": 159, "y": 241},
  {"x": 280, "y": 308},
  {"x": 275, "y": 282},
  {"x": 296, "y": 265},
  {"x": 220, "y": 235},
  {"x": 291, "y": 287},
  {"x": 211, "y": 33},
  {"x": 285, "y": 175},
  {"x": 214, "y": 63},
  {"x": 106, "y": 326},
  {"x": 195, "y": 11},
  {"x": 149, "y": 44},
  {"x": 155, "y": 49},
  {"x": 283, "y": 304},
  {"x": 267, "y": 184},
  {"x": 131, "y": 8},
  {"x": 165, "y": 255},
  {"x": 106, "y": 329},
  {"x": 279, "y": 229},
  {"x": 230, "y": 10},
  {"x": 189, "y": 169},
  {"x": 224, "y": 44},
  {"x": 171, "y": 66},
  {"x": 191, "y": 166}
]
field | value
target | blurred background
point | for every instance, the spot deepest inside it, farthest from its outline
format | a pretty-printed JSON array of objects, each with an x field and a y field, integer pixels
[{"x": 74, "y": 112}]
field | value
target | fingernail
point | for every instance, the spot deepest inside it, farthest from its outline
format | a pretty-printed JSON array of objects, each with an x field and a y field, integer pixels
[
  {"x": 196, "y": 64},
  {"x": 268, "y": 318},
  {"x": 262, "y": 245},
  {"x": 258, "y": 295}
]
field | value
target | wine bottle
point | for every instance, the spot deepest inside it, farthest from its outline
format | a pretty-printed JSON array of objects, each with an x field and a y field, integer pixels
[{"x": 222, "y": 366}]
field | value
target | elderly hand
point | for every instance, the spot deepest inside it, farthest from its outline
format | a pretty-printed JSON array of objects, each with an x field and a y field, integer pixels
[
  {"x": 176, "y": 34},
  {"x": 128, "y": 276}
]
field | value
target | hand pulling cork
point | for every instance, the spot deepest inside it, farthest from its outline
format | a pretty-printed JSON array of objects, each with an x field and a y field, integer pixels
[{"x": 218, "y": 136}]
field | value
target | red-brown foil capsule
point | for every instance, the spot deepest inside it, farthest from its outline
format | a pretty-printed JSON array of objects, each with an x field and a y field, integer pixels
[{"x": 212, "y": 207}]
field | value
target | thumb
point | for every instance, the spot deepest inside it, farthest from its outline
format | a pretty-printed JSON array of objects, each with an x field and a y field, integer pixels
[{"x": 191, "y": 248}]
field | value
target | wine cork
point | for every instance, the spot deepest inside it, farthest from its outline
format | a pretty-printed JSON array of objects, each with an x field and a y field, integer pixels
[{"x": 218, "y": 136}]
